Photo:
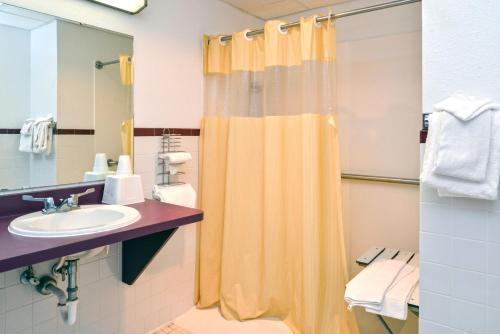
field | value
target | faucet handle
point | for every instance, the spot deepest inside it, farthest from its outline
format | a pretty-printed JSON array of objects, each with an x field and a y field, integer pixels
[
  {"x": 48, "y": 202},
  {"x": 75, "y": 197}
]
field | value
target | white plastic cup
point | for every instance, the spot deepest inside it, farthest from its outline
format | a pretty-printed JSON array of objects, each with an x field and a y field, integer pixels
[
  {"x": 100, "y": 163},
  {"x": 124, "y": 165}
]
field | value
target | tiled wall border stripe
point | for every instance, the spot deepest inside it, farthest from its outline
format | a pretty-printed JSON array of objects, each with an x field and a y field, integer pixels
[
  {"x": 10, "y": 131},
  {"x": 89, "y": 132},
  {"x": 148, "y": 132},
  {"x": 138, "y": 132},
  {"x": 423, "y": 136},
  {"x": 56, "y": 131}
]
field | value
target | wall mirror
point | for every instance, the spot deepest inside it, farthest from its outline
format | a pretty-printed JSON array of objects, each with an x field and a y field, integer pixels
[{"x": 65, "y": 97}]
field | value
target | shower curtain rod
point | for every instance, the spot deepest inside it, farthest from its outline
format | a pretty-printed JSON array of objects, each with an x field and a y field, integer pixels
[
  {"x": 333, "y": 16},
  {"x": 100, "y": 64}
]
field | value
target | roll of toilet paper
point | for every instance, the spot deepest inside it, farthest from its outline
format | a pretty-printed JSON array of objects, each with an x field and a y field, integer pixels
[{"x": 176, "y": 157}]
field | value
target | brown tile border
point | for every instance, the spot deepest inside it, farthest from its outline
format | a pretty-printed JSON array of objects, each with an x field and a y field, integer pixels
[
  {"x": 423, "y": 136},
  {"x": 89, "y": 132},
  {"x": 150, "y": 132},
  {"x": 138, "y": 132},
  {"x": 10, "y": 131}
]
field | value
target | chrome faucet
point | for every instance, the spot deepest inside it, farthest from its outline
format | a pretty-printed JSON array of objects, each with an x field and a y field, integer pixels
[
  {"x": 48, "y": 203},
  {"x": 67, "y": 204},
  {"x": 71, "y": 203}
]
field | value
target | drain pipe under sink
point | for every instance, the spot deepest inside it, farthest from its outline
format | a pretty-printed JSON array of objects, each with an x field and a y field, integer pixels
[{"x": 47, "y": 285}]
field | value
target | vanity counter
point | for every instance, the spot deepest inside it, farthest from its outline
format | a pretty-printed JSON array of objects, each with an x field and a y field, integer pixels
[{"x": 156, "y": 218}]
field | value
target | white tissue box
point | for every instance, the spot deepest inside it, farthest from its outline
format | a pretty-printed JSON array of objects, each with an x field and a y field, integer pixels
[{"x": 123, "y": 190}]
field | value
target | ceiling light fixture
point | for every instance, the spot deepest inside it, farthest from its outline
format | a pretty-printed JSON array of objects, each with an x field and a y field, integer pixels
[{"x": 127, "y": 6}]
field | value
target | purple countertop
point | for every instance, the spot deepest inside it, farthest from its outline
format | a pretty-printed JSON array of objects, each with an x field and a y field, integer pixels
[{"x": 17, "y": 251}]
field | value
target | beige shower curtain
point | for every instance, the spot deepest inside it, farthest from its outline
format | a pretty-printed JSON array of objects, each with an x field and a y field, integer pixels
[{"x": 271, "y": 243}]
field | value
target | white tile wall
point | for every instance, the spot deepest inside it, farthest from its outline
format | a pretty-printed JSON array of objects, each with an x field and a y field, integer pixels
[
  {"x": 455, "y": 34},
  {"x": 75, "y": 156},
  {"x": 14, "y": 165},
  {"x": 460, "y": 265},
  {"x": 107, "y": 306}
]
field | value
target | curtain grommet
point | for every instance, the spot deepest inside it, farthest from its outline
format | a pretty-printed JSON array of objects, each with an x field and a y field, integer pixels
[
  {"x": 317, "y": 24},
  {"x": 245, "y": 34},
  {"x": 221, "y": 42},
  {"x": 281, "y": 30}
]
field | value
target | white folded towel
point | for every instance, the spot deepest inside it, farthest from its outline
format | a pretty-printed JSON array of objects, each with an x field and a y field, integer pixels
[
  {"x": 42, "y": 135},
  {"x": 369, "y": 287},
  {"x": 395, "y": 304},
  {"x": 464, "y": 143},
  {"x": 464, "y": 147},
  {"x": 463, "y": 106},
  {"x": 26, "y": 137},
  {"x": 182, "y": 194},
  {"x": 176, "y": 157},
  {"x": 452, "y": 186}
]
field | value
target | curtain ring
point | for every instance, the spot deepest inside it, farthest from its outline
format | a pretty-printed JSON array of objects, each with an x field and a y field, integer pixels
[
  {"x": 281, "y": 30},
  {"x": 221, "y": 42},
  {"x": 245, "y": 34},
  {"x": 317, "y": 24}
]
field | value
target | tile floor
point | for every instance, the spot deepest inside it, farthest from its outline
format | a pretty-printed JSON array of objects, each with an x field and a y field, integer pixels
[
  {"x": 210, "y": 321},
  {"x": 171, "y": 328}
]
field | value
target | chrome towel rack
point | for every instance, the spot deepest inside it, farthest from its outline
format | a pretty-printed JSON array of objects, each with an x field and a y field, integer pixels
[{"x": 386, "y": 179}]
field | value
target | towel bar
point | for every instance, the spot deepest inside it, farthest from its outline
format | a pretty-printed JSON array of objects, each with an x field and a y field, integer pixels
[{"x": 385, "y": 179}]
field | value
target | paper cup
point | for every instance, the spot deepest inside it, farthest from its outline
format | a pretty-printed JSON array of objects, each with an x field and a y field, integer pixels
[
  {"x": 100, "y": 163},
  {"x": 124, "y": 165}
]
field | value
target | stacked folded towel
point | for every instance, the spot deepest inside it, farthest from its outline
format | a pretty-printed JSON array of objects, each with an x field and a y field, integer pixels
[
  {"x": 36, "y": 136},
  {"x": 462, "y": 155},
  {"x": 384, "y": 287}
]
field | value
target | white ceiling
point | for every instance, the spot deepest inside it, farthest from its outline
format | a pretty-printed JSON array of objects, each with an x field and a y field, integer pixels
[
  {"x": 22, "y": 18},
  {"x": 269, "y": 9}
]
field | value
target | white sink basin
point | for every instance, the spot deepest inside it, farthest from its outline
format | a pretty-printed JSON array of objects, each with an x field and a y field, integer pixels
[{"x": 88, "y": 219}]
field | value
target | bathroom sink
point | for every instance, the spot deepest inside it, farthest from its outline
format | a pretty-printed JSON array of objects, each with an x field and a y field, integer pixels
[{"x": 89, "y": 219}]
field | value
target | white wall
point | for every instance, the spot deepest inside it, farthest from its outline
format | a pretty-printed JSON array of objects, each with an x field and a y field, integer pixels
[
  {"x": 14, "y": 103},
  {"x": 167, "y": 93},
  {"x": 460, "y": 238},
  {"x": 43, "y": 98},
  {"x": 89, "y": 98},
  {"x": 15, "y": 71},
  {"x": 167, "y": 50},
  {"x": 379, "y": 104}
]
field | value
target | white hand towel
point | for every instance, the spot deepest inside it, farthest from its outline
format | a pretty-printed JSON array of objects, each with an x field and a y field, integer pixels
[
  {"x": 369, "y": 287},
  {"x": 465, "y": 137},
  {"x": 42, "y": 136},
  {"x": 450, "y": 186},
  {"x": 464, "y": 147},
  {"x": 27, "y": 127},
  {"x": 26, "y": 137},
  {"x": 176, "y": 157},
  {"x": 182, "y": 194},
  {"x": 395, "y": 304}
]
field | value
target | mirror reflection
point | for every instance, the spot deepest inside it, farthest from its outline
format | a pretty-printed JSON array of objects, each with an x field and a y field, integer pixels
[{"x": 65, "y": 100}]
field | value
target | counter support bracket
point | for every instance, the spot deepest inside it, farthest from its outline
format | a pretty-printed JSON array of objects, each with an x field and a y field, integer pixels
[{"x": 138, "y": 253}]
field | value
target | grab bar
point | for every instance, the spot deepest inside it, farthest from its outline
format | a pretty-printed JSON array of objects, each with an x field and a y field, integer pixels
[{"x": 399, "y": 180}]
